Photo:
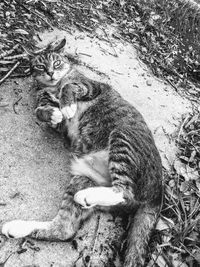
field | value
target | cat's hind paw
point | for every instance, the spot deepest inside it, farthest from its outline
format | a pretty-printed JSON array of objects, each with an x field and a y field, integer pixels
[
  {"x": 98, "y": 196},
  {"x": 20, "y": 228}
]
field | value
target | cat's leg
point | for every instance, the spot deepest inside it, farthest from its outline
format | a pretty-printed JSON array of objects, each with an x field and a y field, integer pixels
[
  {"x": 49, "y": 114},
  {"x": 83, "y": 89},
  {"x": 134, "y": 178},
  {"x": 99, "y": 196},
  {"x": 95, "y": 165},
  {"x": 135, "y": 185},
  {"x": 64, "y": 226},
  {"x": 48, "y": 108}
]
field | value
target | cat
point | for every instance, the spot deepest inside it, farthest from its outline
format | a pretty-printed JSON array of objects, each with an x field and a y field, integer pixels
[{"x": 115, "y": 163}]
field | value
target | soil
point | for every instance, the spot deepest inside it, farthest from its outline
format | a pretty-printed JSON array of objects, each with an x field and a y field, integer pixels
[{"x": 34, "y": 163}]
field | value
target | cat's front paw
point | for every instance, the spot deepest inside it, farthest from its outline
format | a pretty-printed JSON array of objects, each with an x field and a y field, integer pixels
[
  {"x": 98, "y": 196},
  {"x": 18, "y": 228},
  {"x": 56, "y": 116},
  {"x": 69, "y": 111},
  {"x": 49, "y": 114}
]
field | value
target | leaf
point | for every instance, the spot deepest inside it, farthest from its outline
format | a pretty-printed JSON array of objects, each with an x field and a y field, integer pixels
[
  {"x": 185, "y": 171},
  {"x": 21, "y": 31},
  {"x": 162, "y": 225},
  {"x": 159, "y": 260},
  {"x": 194, "y": 236},
  {"x": 176, "y": 262}
]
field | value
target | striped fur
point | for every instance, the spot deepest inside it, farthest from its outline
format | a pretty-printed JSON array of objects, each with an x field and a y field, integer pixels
[
  {"x": 112, "y": 146},
  {"x": 106, "y": 122}
]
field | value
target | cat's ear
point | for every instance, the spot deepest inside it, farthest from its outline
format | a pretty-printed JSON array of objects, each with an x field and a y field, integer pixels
[{"x": 57, "y": 46}]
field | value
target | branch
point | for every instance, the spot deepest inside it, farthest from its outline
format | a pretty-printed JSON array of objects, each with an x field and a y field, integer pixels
[
  {"x": 10, "y": 71},
  {"x": 16, "y": 56}
]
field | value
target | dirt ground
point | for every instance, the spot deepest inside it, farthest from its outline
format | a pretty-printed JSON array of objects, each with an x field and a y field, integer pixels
[{"x": 34, "y": 162}]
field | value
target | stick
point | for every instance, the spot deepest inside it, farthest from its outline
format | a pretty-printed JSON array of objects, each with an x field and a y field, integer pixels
[
  {"x": 9, "y": 51},
  {"x": 3, "y": 263},
  {"x": 15, "y": 103},
  {"x": 82, "y": 26},
  {"x": 181, "y": 128},
  {"x": 16, "y": 56},
  {"x": 3, "y": 105},
  {"x": 84, "y": 54},
  {"x": 10, "y": 71},
  {"x": 94, "y": 241},
  {"x": 115, "y": 55},
  {"x": 4, "y": 62}
]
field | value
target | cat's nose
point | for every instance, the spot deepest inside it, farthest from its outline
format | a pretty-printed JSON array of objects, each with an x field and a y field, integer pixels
[{"x": 50, "y": 73}]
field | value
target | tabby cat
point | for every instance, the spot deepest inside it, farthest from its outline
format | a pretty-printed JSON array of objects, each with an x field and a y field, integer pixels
[{"x": 115, "y": 162}]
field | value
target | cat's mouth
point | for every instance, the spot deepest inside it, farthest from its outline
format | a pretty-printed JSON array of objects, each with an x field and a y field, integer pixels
[{"x": 52, "y": 81}]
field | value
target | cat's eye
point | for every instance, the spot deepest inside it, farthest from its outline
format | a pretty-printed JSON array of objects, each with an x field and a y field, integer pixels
[
  {"x": 40, "y": 67},
  {"x": 57, "y": 64}
]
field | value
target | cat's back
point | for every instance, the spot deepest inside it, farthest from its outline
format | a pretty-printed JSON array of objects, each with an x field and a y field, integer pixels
[{"x": 111, "y": 110}]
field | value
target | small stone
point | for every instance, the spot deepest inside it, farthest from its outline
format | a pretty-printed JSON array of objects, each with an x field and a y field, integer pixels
[{"x": 149, "y": 83}]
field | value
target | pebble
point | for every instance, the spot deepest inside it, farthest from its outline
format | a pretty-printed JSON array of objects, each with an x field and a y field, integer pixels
[{"x": 148, "y": 82}]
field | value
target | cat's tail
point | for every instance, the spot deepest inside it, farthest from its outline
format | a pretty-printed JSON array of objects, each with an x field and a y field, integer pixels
[{"x": 141, "y": 226}]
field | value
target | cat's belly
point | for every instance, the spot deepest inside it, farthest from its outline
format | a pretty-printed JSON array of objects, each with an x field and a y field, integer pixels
[
  {"x": 93, "y": 165},
  {"x": 73, "y": 123},
  {"x": 72, "y": 127}
]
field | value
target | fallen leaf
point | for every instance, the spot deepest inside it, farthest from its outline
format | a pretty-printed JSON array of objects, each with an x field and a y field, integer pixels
[
  {"x": 159, "y": 260},
  {"x": 164, "y": 224}
]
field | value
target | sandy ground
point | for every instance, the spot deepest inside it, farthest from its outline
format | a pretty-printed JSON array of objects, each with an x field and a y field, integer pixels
[{"x": 34, "y": 162}]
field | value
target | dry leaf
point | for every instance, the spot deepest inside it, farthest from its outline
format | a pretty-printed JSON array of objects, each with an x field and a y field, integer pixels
[
  {"x": 164, "y": 224},
  {"x": 185, "y": 171},
  {"x": 158, "y": 259}
]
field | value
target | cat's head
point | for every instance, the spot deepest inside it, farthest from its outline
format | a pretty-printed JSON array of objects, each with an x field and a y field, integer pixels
[{"x": 49, "y": 65}]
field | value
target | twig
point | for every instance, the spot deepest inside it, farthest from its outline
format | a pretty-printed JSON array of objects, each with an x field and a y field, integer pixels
[
  {"x": 2, "y": 264},
  {"x": 83, "y": 26},
  {"x": 16, "y": 56},
  {"x": 181, "y": 128},
  {"x": 20, "y": 75},
  {"x": 94, "y": 241},
  {"x": 171, "y": 246},
  {"x": 115, "y": 53},
  {"x": 84, "y": 54},
  {"x": 3, "y": 105},
  {"x": 79, "y": 257},
  {"x": 4, "y": 62},
  {"x": 10, "y": 71},
  {"x": 79, "y": 7},
  {"x": 9, "y": 51},
  {"x": 16, "y": 103}
]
